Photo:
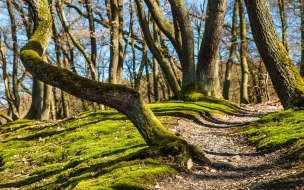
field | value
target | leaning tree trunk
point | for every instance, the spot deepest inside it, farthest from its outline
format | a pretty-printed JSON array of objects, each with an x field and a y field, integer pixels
[
  {"x": 286, "y": 79},
  {"x": 119, "y": 97},
  {"x": 208, "y": 55}
]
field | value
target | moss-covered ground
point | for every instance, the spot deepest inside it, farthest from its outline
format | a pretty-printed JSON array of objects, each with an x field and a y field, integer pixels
[
  {"x": 102, "y": 150},
  {"x": 93, "y": 150},
  {"x": 284, "y": 129}
]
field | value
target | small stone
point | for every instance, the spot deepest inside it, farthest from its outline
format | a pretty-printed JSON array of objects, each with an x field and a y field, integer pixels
[
  {"x": 213, "y": 171},
  {"x": 189, "y": 164}
]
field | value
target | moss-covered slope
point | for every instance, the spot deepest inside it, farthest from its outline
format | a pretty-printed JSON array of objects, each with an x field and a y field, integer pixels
[
  {"x": 93, "y": 150},
  {"x": 275, "y": 131}
]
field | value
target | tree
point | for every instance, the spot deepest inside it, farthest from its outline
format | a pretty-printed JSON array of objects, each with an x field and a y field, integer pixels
[
  {"x": 286, "y": 79},
  {"x": 114, "y": 10},
  {"x": 232, "y": 53},
  {"x": 243, "y": 55},
  {"x": 155, "y": 49},
  {"x": 281, "y": 4},
  {"x": 119, "y": 97},
  {"x": 16, "y": 101},
  {"x": 208, "y": 58}
]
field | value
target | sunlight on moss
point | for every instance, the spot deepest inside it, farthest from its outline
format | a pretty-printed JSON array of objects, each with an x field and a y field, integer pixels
[
  {"x": 207, "y": 106},
  {"x": 92, "y": 150},
  {"x": 91, "y": 145}
]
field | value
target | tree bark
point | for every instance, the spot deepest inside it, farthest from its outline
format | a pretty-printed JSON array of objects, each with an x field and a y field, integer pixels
[
  {"x": 286, "y": 80},
  {"x": 208, "y": 55},
  {"x": 119, "y": 97}
]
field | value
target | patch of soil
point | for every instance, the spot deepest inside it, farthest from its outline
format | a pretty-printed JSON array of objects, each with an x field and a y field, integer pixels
[{"x": 236, "y": 165}]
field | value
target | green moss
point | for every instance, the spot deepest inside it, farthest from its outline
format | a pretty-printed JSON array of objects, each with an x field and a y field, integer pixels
[
  {"x": 278, "y": 130},
  {"x": 93, "y": 150},
  {"x": 207, "y": 105},
  {"x": 90, "y": 149},
  {"x": 294, "y": 79}
]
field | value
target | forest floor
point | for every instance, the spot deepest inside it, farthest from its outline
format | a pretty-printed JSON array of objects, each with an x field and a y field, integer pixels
[{"x": 236, "y": 165}]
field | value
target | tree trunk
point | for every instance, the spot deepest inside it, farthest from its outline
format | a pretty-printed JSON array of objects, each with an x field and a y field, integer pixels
[
  {"x": 141, "y": 67},
  {"x": 155, "y": 80},
  {"x": 232, "y": 54},
  {"x": 181, "y": 14},
  {"x": 9, "y": 96},
  {"x": 281, "y": 4},
  {"x": 208, "y": 55},
  {"x": 155, "y": 50},
  {"x": 37, "y": 100},
  {"x": 148, "y": 84},
  {"x": 243, "y": 54},
  {"x": 16, "y": 101},
  {"x": 47, "y": 100},
  {"x": 88, "y": 6},
  {"x": 181, "y": 37},
  {"x": 119, "y": 97},
  {"x": 114, "y": 10},
  {"x": 286, "y": 80}
]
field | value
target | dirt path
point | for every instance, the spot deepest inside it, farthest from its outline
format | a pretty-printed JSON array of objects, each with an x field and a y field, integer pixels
[{"x": 236, "y": 164}]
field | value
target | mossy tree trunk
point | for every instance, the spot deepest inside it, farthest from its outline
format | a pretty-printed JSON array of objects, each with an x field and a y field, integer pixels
[
  {"x": 209, "y": 51},
  {"x": 124, "y": 99},
  {"x": 286, "y": 79}
]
